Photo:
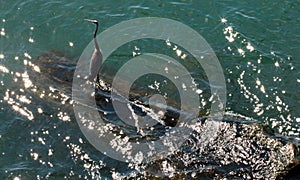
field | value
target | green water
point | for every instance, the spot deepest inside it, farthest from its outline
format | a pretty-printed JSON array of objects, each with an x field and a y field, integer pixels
[{"x": 257, "y": 44}]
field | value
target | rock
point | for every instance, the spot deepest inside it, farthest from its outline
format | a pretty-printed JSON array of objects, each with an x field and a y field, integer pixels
[
  {"x": 228, "y": 150},
  {"x": 216, "y": 149},
  {"x": 57, "y": 69}
]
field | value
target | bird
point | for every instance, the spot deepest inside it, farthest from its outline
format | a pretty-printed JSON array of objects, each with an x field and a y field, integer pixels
[{"x": 97, "y": 57}]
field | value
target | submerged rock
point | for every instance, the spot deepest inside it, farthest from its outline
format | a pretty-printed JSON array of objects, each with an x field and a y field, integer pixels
[
  {"x": 57, "y": 69},
  {"x": 215, "y": 150}
]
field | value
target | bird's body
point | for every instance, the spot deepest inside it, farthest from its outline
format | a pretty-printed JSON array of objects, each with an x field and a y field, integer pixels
[
  {"x": 95, "y": 64},
  {"x": 96, "y": 59}
]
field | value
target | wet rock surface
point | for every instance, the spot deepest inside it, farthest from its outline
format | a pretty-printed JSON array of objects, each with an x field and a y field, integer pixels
[
  {"x": 229, "y": 150},
  {"x": 215, "y": 150}
]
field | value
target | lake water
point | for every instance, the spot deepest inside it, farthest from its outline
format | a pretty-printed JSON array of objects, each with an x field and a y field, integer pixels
[{"x": 257, "y": 44}]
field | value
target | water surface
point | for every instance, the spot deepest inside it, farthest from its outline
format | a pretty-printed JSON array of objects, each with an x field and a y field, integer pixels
[{"x": 257, "y": 44}]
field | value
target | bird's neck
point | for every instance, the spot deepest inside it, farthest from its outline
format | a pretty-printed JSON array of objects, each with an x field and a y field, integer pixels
[
  {"x": 96, "y": 44},
  {"x": 95, "y": 33}
]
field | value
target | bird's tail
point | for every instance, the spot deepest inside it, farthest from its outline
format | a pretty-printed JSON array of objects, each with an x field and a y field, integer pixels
[{"x": 91, "y": 78}]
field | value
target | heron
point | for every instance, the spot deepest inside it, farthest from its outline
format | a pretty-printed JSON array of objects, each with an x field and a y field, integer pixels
[{"x": 96, "y": 59}]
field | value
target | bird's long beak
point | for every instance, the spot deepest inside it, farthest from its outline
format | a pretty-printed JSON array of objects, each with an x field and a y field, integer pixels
[{"x": 92, "y": 21}]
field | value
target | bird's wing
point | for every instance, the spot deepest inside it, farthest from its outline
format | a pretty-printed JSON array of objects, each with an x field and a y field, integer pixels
[{"x": 95, "y": 63}]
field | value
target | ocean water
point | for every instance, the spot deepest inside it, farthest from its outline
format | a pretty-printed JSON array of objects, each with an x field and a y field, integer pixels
[{"x": 257, "y": 44}]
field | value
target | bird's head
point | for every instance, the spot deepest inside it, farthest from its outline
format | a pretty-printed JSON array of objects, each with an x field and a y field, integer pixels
[{"x": 92, "y": 21}]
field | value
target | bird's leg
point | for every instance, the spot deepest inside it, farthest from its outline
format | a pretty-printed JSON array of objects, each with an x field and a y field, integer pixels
[{"x": 97, "y": 79}]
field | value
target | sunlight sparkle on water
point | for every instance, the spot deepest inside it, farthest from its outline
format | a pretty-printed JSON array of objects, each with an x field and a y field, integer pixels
[
  {"x": 199, "y": 91},
  {"x": 41, "y": 140},
  {"x": 178, "y": 52},
  {"x": 241, "y": 51},
  {"x": 16, "y": 103},
  {"x": 27, "y": 82},
  {"x": 166, "y": 69},
  {"x": 250, "y": 47},
  {"x": 23, "y": 99},
  {"x": 183, "y": 56},
  {"x": 30, "y": 64},
  {"x": 27, "y": 55},
  {"x": 258, "y": 82},
  {"x": 223, "y": 20},
  {"x": 168, "y": 42},
  {"x": 34, "y": 155},
  {"x": 63, "y": 116},
  {"x": 3, "y": 69},
  {"x": 259, "y": 60},
  {"x": 262, "y": 89},
  {"x": 31, "y": 40},
  {"x": 2, "y": 33},
  {"x": 40, "y": 110},
  {"x": 50, "y": 152},
  {"x": 231, "y": 34}
]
